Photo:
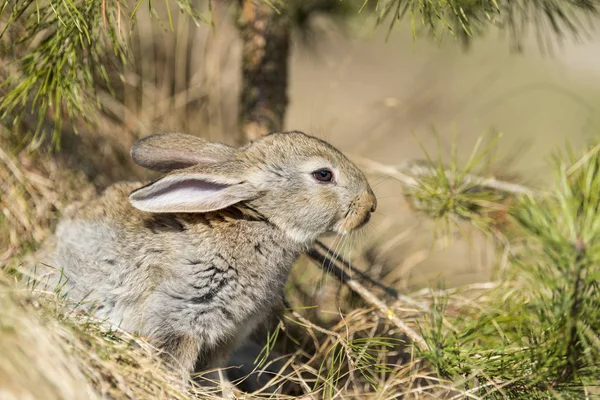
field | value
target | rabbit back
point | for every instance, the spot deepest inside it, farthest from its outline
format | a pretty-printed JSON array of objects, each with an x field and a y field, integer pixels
[{"x": 102, "y": 258}]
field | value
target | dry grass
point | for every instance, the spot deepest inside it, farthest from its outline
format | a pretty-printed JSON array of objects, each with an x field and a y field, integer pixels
[
  {"x": 50, "y": 352},
  {"x": 73, "y": 356},
  {"x": 33, "y": 190}
]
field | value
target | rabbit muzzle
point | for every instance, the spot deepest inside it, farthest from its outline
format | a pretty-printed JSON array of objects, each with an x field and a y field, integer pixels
[{"x": 359, "y": 213}]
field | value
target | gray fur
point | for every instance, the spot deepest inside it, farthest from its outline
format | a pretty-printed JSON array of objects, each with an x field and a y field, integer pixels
[{"x": 198, "y": 283}]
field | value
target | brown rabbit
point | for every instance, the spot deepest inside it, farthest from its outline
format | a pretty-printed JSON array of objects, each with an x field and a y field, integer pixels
[{"x": 196, "y": 259}]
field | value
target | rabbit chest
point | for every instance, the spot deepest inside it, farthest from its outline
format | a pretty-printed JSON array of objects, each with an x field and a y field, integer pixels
[{"x": 221, "y": 277}]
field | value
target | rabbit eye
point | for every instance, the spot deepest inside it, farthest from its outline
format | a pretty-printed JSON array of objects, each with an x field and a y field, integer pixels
[{"x": 323, "y": 175}]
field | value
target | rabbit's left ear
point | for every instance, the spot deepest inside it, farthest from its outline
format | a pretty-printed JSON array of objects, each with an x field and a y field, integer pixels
[
  {"x": 166, "y": 152},
  {"x": 194, "y": 190}
]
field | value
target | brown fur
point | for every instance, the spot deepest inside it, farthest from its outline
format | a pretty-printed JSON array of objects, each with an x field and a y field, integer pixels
[{"x": 198, "y": 281}]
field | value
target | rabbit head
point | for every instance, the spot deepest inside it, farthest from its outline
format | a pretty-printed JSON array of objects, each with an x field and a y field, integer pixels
[{"x": 299, "y": 183}]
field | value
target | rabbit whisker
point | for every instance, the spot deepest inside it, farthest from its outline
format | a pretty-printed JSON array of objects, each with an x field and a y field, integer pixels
[{"x": 330, "y": 254}]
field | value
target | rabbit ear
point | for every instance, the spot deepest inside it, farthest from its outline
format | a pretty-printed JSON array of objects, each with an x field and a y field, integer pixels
[
  {"x": 166, "y": 152},
  {"x": 191, "y": 192}
]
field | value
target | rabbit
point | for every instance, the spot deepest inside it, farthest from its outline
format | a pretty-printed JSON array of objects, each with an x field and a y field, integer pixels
[{"x": 196, "y": 259}]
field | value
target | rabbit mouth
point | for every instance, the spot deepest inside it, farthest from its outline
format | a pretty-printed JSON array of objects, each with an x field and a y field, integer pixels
[
  {"x": 358, "y": 214},
  {"x": 364, "y": 221}
]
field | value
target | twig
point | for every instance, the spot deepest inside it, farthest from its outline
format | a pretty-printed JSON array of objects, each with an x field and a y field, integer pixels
[
  {"x": 583, "y": 160},
  {"x": 103, "y": 8},
  {"x": 389, "y": 290},
  {"x": 405, "y": 174},
  {"x": 465, "y": 288},
  {"x": 370, "y": 298},
  {"x": 12, "y": 166}
]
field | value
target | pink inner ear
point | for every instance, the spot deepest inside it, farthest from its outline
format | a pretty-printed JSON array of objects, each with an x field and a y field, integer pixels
[
  {"x": 189, "y": 187},
  {"x": 189, "y": 195}
]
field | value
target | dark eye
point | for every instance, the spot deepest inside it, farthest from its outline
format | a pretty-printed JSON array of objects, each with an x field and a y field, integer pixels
[{"x": 323, "y": 175}]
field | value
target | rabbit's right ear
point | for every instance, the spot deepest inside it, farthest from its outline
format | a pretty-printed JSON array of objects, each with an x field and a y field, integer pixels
[
  {"x": 195, "y": 190},
  {"x": 166, "y": 152}
]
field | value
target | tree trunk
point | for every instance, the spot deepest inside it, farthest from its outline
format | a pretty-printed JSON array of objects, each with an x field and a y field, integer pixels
[{"x": 265, "y": 35}]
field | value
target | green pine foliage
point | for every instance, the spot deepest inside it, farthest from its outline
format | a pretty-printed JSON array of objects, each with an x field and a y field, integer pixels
[
  {"x": 67, "y": 43},
  {"x": 466, "y": 19},
  {"x": 537, "y": 334},
  {"x": 56, "y": 54},
  {"x": 451, "y": 194}
]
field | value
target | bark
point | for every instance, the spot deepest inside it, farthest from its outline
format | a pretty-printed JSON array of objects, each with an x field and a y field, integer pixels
[{"x": 265, "y": 34}]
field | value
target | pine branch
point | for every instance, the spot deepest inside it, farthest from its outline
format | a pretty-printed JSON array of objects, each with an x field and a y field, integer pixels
[
  {"x": 55, "y": 53},
  {"x": 537, "y": 331},
  {"x": 408, "y": 173},
  {"x": 466, "y": 19}
]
